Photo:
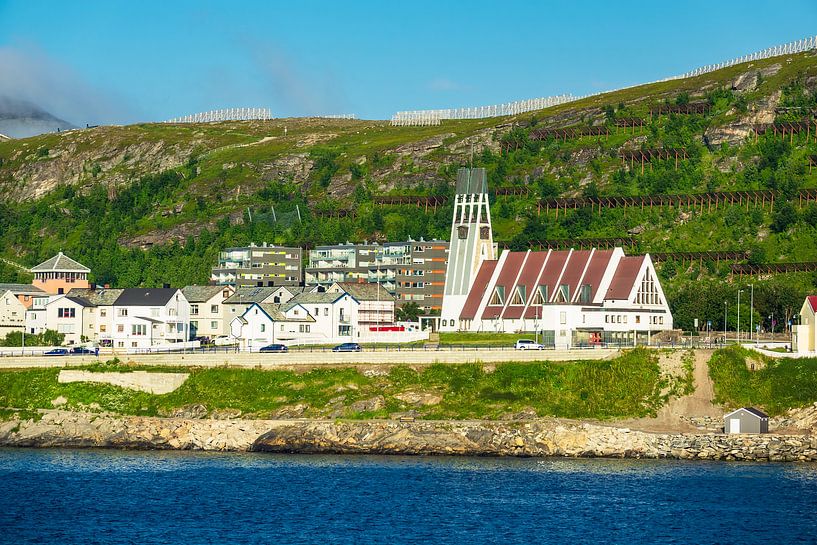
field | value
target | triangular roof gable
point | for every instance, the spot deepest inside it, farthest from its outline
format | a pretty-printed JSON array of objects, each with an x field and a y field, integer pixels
[
  {"x": 812, "y": 301},
  {"x": 646, "y": 265},
  {"x": 259, "y": 307}
]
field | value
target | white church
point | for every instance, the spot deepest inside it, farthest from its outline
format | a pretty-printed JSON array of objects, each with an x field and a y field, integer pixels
[{"x": 571, "y": 297}]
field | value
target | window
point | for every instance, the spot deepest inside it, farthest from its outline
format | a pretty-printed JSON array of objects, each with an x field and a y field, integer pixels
[
  {"x": 317, "y": 311},
  {"x": 498, "y": 297},
  {"x": 263, "y": 328},
  {"x": 519, "y": 296},
  {"x": 541, "y": 296},
  {"x": 213, "y": 325},
  {"x": 563, "y": 295},
  {"x": 194, "y": 310},
  {"x": 213, "y": 309},
  {"x": 225, "y": 294},
  {"x": 484, "y": 233},
  {"x": 122, "y": 312},
  {"x": 120, "y": 328},
  {"x": 103, "y": 313},
  {"x": 102, "y": 328},
  {"x": 462, "y": 232},
  {"x": 326, "y": 311},
  {"x": 584, "y": 293},
  {"x": 563, "y": 317},
  {"x": 139, "y": 330},
  {"x": 194, "y": 324},
  {"x": 120, "y": 344},
  {"x": 648, "y": 291},
  {"x": 134, "y": 344},
  {"x": 638, "y": 319},
  {"x": 69, "y": 312}
]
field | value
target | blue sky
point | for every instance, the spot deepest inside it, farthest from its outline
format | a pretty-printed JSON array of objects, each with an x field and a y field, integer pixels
[{"x": 119, "y": 62}]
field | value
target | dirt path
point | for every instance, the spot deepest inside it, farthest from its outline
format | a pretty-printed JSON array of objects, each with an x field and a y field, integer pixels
[{"x": 699, "y": 403}]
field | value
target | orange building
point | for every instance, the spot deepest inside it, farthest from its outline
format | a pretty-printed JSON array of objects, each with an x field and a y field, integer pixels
[{"x": 60, "y": 274}]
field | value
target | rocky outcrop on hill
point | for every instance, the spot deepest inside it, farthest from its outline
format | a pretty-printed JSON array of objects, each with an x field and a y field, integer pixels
[{"x": 548, "y": 437}]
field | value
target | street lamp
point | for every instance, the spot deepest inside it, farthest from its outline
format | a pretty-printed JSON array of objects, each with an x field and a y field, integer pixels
[
  {"x": 738, "y": 332},
  {"x": 752, "y": 313}
]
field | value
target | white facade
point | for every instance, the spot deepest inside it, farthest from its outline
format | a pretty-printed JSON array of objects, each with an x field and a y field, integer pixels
[
  {"x": 804, "y": 335},
  {"x": 74, "y": 318},
  {"x": 207, "y": 313},
  {"x": 143, "y": 326},
  {"x": 12, "y": 313}
]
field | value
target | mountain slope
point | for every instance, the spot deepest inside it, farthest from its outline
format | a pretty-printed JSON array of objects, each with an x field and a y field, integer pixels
[
  {"x": 180, "y": 192},
  {"x": 21, "y": 119}
]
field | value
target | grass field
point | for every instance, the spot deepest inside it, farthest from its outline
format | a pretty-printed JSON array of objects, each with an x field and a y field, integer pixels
[
  {"x": 781, "y": 385},
  {"x": 482, "y": 339},
  {"x": 628, "y": 386}
]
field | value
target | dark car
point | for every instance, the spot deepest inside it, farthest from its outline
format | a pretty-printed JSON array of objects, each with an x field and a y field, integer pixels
[
  {"x": 275, "y": 348},
  {"x": 82, "y": 351},
  {"x": 347, "y": 347},
  {"x": 56, "y": 352}
]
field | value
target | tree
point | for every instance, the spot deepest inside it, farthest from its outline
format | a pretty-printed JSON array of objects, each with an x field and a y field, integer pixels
[
  {"x": 409, "y": 312},
  {"x": 784, "y": 217}
]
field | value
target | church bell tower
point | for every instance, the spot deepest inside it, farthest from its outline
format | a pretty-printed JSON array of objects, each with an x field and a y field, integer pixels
[{"x": 471, "y": 242}]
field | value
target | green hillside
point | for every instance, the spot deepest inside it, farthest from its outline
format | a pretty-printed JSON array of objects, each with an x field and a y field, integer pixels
[{"x": 154, "y": 203}]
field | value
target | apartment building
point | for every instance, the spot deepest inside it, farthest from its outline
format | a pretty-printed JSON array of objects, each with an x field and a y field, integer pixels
[
  {"x": 411, "y": 270},
  {"x": 259, "y": 266}
]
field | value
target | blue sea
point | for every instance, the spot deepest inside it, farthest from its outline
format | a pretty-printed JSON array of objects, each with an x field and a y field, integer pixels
[{"x": 98, "y": 496}]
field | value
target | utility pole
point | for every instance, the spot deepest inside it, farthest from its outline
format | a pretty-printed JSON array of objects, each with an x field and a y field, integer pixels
[
  {"x": 738, "y": 332},
  {"x": 725, "y": 308},
  {"x": 752, "y": 312}
]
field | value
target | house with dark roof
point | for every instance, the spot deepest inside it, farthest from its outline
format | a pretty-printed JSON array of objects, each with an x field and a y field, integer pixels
[
  {"x": 804, "y": 335},
  {"x": 60, "y": 274},
  {"x": 73, "y": 316},
  {"x": 267, "y": 323},
  {"x": 149, "y": 317},
  {"x": 207, "y": 310}
]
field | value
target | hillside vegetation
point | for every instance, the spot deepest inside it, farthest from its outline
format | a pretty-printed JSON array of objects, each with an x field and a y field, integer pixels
[
  {"x": 154, "y": 203},
  {"x": 774, "y": 385}
]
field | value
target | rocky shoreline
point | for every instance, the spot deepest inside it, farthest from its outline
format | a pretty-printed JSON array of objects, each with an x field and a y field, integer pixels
[{"x": 536, "y": 438}]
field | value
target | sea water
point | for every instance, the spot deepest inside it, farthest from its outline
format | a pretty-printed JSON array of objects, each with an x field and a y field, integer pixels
[{"x": 99, "y": 496}]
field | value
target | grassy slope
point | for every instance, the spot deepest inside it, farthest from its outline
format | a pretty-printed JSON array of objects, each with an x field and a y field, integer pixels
[
  {"x": 783, "y": 384},
  {"x": 627, "y": 386}
]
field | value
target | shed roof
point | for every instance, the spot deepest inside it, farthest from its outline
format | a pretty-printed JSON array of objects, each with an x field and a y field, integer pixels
[
  {"x": 750, "y": 410},
  {"x": 62, "y": 263}
]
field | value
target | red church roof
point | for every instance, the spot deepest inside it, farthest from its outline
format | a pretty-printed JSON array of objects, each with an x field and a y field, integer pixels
[
  {"x": 625, "y": 277},
  {"x": 812, "y": 301}
]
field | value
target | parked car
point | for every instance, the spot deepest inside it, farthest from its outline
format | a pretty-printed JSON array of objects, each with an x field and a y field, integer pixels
[
  {"x": 527, "y": 344},
  {"x": 347, "y": 347},
  {"x": 82, "y": 351},
  {"x": 56, "y": 352},
  {"x": 275, "y": 348}
]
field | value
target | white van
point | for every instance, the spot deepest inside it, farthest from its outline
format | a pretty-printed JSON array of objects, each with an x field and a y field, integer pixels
[{"x": 527, "y": 344}]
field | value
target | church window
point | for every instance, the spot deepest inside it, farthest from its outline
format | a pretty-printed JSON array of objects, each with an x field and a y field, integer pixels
[
  {"x": 484, "y": 232},
  {"x": 519, "y": 296},
  {"x": 541, "y": 296},
  {"x": 498, "y": 297},
  {"x": 563, "y": 295},
  {"x": 462, "y": 232}
]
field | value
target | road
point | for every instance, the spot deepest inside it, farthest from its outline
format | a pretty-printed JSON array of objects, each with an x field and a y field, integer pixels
[{"x": 299, "y": 358}]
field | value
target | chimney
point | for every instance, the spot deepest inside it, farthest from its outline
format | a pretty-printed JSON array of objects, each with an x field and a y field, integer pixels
[
  {"x": 106, "y": 286},
  {"x": 93, "y": 286}
]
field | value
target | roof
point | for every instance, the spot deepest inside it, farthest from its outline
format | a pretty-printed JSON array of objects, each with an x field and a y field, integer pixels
[
  {"x": 276, "y": 313},
  {"x": 750, "y": 410},
  {"x": 812, "y": 301},
  {"x": 625, "y": 277},
  {"x": 530, "y": 276},
  {"x": 315, "y": 297},
  {"x": 366, "y": 291},
  {"x": 80, "y": 301},
  {"x": 145, "y": 297},
  {"x": 251, "y": 295},
  {"x": 202, "y": 294},
  {"x": 99, "y": 297},
  {"x": 25, "y": 289},
  {"x": 60, "y": 262}
]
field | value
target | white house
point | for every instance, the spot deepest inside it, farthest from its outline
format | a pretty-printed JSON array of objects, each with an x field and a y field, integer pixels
[
  {"x": 12, "y": 313},
  {"x": 103, "y": 299},
  {"x": 207, "y": 310},
  {"x": 149, "y": 317},
  {"x": 74, "y": 317},
  {"x": 263, "y": 324},
  {"x": 804, "y": 336},
  {"x": 243, "y": 297}
]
